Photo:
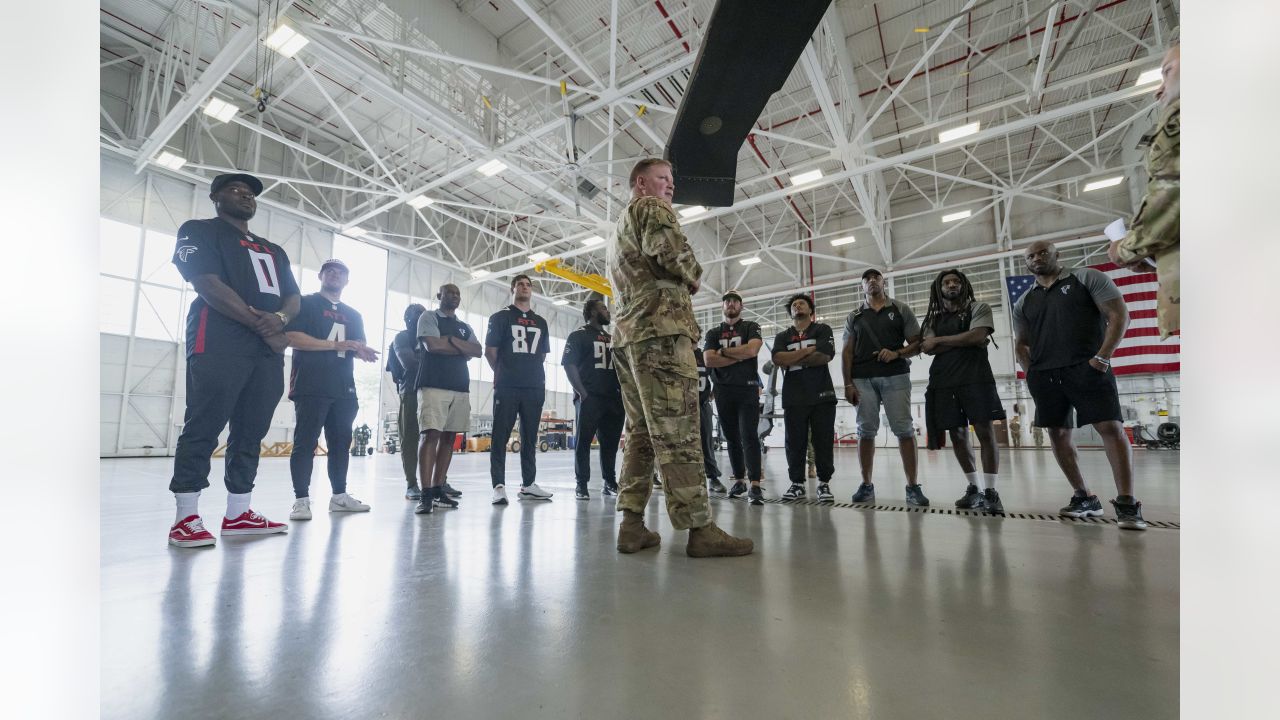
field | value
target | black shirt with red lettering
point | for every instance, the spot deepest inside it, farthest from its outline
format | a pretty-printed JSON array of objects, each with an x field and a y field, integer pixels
[
  {"x": 590, "y": 350},
  {"x": 523, "y": 341},
  {"x": 724, "y": 335},
  {"x": 807, "y": 385},
  {"x": 253, "y": 267},
  {"x": 704, "y": 378},
  {"x": 325, "y": 373}
]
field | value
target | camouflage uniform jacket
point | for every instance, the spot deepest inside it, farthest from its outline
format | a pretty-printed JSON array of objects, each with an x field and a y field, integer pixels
[
  {"x": 1155, "y": 229},
  {"x": 651, "y": 267}
]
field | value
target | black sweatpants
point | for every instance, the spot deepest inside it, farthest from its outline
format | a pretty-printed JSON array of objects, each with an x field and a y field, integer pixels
[
  {"x": 709, "y": 467},
  {"x": 335, "y": 418},
  {"x": 601, "y": 417},
  {"x": 407, "y": 424},
  {"x": 799, "y": 422},
  {"x": 739, "y": 408},
  {"x": 507, "y": 404},
  {"x": 222, "y": 389}
]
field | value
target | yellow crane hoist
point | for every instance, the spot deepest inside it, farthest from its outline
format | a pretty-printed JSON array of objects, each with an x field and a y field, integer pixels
[{"x": 553, "y": 266}]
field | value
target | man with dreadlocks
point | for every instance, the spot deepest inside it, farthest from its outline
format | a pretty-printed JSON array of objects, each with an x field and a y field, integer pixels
[{"x": 962, "y": 388}]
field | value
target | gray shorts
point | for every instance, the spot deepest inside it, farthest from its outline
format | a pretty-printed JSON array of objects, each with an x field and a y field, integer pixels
[{"x": 894, "y": 393}]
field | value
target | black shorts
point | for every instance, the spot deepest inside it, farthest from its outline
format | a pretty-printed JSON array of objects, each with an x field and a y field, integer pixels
[
  {"x": 1090, "y": 393},
  {"x": 957, "y": 407}
]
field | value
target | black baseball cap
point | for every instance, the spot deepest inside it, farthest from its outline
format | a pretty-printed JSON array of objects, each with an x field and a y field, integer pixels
[
  {"x": 869, "y": 272},
  {"x": 731, "y": 294},
  {"x": 222, "y": 181}
]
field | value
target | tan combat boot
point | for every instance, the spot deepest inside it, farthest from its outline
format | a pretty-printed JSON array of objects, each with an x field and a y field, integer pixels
[
  {"x": 710, "y": 541},
  {"x": 633, "y": 536}
]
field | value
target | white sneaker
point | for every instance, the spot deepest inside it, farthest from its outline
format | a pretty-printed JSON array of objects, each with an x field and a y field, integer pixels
[
  {"x": 301, "y": 509},
  {"x": 533, "y": 492},
  {"x": 500, "y": 495},
  {"x": 346, "y": 503}
]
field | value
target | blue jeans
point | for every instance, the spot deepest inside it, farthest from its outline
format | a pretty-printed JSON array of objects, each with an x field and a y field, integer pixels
[{"x": 894, "y": 393}]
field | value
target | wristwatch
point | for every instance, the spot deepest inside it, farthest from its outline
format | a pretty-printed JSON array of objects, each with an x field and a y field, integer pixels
[{"x": 283, "y": 318}]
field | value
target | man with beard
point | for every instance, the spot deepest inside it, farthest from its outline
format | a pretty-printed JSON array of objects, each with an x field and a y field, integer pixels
[
  {"x": 1068, "y": 326},
  {"x": 245, "y": 296},
  {"x": 402, "y": 363},
  {"x": 588, "y": 362},
  {"x": 808, "y": 397},
  {"x": 730, "y": 351},
  {"x": 962, "y": 389}
]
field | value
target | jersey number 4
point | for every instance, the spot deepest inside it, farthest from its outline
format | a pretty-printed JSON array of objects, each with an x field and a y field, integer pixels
[
  {"x": 338, "y": 333},
  {"x": 604, "y": 359},
  {"x": 525, "y": 339},
  {"x": 264, "y": 268}
]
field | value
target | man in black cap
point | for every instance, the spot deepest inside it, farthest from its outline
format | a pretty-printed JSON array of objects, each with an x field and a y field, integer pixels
[
  {"x": 729, "y": 351},
  {"x": 326, "y": 337},
  {"x": 245, "y": 296}
]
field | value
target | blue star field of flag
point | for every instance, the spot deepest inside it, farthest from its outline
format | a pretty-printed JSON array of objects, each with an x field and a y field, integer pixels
[{"x": 1017, "y": 285}]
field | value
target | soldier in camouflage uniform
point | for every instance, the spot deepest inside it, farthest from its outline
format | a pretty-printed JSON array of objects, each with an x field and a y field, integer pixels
[
  {"x": 653, "y": 273},
  {"x": 1155, "y": 229}
]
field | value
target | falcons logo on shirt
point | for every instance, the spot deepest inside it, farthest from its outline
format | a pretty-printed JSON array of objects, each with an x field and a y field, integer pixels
[{"x": 185, "y": 251}]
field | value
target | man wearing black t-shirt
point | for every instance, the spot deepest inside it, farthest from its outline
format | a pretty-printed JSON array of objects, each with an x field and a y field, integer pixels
[
  {"x": 962, "y": 389},
  {"x": 878, "y": 339},
  {"x": 326, "y": 337},
  {"x": 709, "y": 466},
  {"x": 588, "y": 362},
  {"x": 245, "y": 295},
  {"x": 729, "y": 351},
  {"x": 402, "y": 363},
  {"x": 1068, "y": 326},
  {"x": 444, "y": 401},
  {"x": 808, "y": 397},
  {"x": 515, "y": 346}
]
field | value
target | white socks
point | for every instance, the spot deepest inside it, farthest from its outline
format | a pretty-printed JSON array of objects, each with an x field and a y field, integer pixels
[
  {"x": 988, "y": 480},
  {"x": 972, "y": 478},
  {"x": 188, "y": 504},
  {"x": 237, "y": 504}
]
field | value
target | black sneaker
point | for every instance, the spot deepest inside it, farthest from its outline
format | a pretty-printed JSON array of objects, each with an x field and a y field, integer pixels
[
  {"x": 451, "y": 492},
  {"x": 425, "y": 506},
  {"x": 412, "y": 493},
  {"x": 443, "y": 500},
  {"x": 972, "y": 499},
  {"x": 580, "y": 492},
  {"x": 738, "y": 490},
  {"x": 1129, "y": 515},
  {"x": 610, "y": 488},
  {"x": 915, "y": 496},
  {"x": 716, "y": 486},
  {"x": 866, "y": 493},
  {"x": 991, "y": 502},
  {"x": 795, "y": 492},
  {"x": 1080, "y": 507},
  {"x": 824, "y": 493},
  {"x": 756, "y": 495}
]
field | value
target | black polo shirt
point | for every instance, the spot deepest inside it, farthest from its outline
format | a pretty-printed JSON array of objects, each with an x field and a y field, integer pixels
[
  {"x": 743, "y": 372},
  {"x": 324, "y": 373},
  {"x": 954, "y": 367},
  {"x": 405, "y": 376},
  {"x": 523, "y": 341},
  {"x": 704, "y": 378},
  {"x": 807, "y": 385},
  {"x": 253, "y": 267},
  {"x": 437, "y": 370},
  {"x": 889, "y": 327},
  {"x": 590, "y": 350},
  {"x": 1062, "y": 323}
]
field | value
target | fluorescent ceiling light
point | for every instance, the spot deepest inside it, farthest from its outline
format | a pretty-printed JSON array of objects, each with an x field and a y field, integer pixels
[
  {"x": 355, "y": 232},
  {"x": 1104, "y": 183},
  {"x": 286, "y": 41},
  {"x": 481, "y": 273},
  {"x": 749, "y": 261},
  {"x": 592, "y": 241},
  {"x": 420, "y": 202},
  {"x": 692, "y": 211},
  {"x": 1148, "y": 77},
  {"x": 539, "y": 257},
  {"x": 169, "y": 160},
  {"x": 956, "y": 133},
  {"x": 491, "y": 168},
  {"x": 561, "y": 301},
  {"x": 843, "y": 241},
  {"x": 957, "y": 216},
  {"x": 806, "y": 177},
  {"x": 219, "y": 110}
]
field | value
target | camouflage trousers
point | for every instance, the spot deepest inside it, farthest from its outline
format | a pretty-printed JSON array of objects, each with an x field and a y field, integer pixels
[{"x": 659, "y": 379}]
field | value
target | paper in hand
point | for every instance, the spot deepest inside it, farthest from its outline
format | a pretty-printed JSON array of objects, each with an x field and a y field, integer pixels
[{"x": 1115, "y": 231}]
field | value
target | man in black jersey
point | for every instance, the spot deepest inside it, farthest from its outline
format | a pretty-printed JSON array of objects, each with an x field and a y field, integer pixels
[
  {"x": 962, "y": 389},
  {"x": 402, "y": 363},
  {"x": 588, "y": 361},
  {"x": 245, "y": 295},
  {"x": 515, "y": 346},
  {"x": 729, "y": 351},
  {"x": 808, "y": 397},
  {"x": 709, "y": 466},
  {"x": 326, "y": 336},
  {"x": 444, "y": 401}
]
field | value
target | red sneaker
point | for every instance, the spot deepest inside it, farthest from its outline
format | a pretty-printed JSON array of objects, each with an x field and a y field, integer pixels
[
  {"x": 251, "y": 523},
  {"x": 190, "y": 532}
]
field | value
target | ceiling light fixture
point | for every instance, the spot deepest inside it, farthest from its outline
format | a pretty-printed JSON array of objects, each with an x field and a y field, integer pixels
[
  {"x": 806, "y": 177},
  {"x": 481, "y": 273},
  {"x": 749, "y": 261},
  {"x": 561, "y": 301},
  {"x": 355, "y": 232},
  {"x": 219, "y": 110},
  {"x": 286, "y": 41},
  {"x": 491, "y": 168},
  {"x": 957, "y": 133},
  {"x": 169, "y": 160},
  {"x": 1150, "y": 76},
  {"x": 420, "y": 202},
  {"x": 1104, "y": 183},
  {"x": 843, "y": 241},
  {"x": 592, "y": 241},
  {"x": 692, "y": 211},
  {"x": 956, "y": 216},
  {"x": 539, "y": 257}
]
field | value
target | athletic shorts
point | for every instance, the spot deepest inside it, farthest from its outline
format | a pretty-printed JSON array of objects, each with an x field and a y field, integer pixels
[
  {"x": 961, "y": 406},
  {"x": 894, "y": 394},
  {"x": 444, "y": 410},
  {"x": 1091, "y": 394}
]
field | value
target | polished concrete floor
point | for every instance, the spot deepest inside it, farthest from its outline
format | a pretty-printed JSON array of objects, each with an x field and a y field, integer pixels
[{"x": 528, "y": 611}]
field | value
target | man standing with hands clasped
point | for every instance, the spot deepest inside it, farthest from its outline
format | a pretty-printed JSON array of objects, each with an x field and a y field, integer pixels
[{"x": 588, "y": 362}]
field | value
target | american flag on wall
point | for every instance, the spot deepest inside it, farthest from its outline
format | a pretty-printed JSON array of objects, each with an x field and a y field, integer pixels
[{"x": 1141, "y": 350}]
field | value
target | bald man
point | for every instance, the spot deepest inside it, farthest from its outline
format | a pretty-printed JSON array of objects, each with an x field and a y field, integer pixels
[{"x": 1068, "y": 326}]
